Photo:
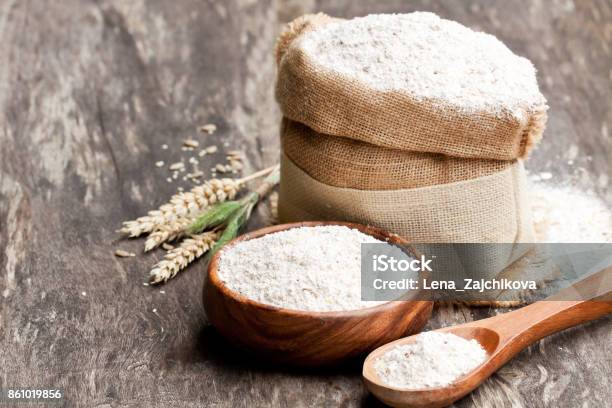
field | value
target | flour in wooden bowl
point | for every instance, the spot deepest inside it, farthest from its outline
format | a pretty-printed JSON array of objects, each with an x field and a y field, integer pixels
[
  {"x": 314, "y": 269},
  {"x": 434, "y": 359},
  {"x": 433, "y": 59}
]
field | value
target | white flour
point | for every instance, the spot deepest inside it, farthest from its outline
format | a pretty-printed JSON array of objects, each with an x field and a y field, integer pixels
[
  {"x": 429, "y": 57},
  {"x": 433, "y": 360},
  {"x": 308, "y": 268},
  {"x": 568, "y": 214}
]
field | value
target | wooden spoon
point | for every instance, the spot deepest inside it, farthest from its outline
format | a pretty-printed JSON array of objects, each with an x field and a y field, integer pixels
[
  {"x": 503, "y": 337},
  {"x": 309, "y": 338}
]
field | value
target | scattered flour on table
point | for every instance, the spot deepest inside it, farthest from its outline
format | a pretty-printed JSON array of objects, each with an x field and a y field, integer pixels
[
  {"x": 433, "y": 360},
  {"x": 429, "y": 57},
  {"x": 569, "y": 214},
  {"x": 307, "y": 268}
]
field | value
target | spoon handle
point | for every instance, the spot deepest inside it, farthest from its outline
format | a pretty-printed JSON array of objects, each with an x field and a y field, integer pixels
[{"x": 591, "y": 299}]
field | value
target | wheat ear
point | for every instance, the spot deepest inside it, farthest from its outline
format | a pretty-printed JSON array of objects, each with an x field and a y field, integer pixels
[
  {"x": 181, "y": 205},
  {"x": 178, "y": 258},
  {"x": 167, "y": 232}
]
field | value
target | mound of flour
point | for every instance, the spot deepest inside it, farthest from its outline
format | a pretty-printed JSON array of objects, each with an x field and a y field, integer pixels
[
  {"x": 433, "y": 360},
  {"x": 431, "y": 58},
  {"x": 308, "y": 268}
]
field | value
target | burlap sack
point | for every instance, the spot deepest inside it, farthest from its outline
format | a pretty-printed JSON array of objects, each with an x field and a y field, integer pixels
[
  {"x": 298, "y": 27},
  {"x": 343, "y": 162},
  {"x": 489, "y": 209},
  {"x": 335, "y": 104}
]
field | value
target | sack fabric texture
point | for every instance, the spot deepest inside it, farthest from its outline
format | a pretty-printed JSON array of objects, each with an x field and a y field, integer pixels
[
  {"x": 343, "y": 162},
  {"x": 335, "y": 104},
  {"x": 488, "y": 209}
]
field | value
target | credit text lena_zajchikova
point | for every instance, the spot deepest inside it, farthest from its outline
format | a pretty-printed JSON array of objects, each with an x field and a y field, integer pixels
[{"x": 477, "y": 285}]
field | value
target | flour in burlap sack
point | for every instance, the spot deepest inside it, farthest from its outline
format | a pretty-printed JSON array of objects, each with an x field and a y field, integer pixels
[{"x": 411, "y": 82}]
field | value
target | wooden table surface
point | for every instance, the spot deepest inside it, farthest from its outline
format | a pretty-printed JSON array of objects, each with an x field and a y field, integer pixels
[{"x": 90, "y": 90}]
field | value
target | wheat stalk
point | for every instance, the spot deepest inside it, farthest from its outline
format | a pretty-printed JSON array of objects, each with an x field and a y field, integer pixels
[
  {"x": 186, "y": 204},
  {"x": 178, "y": 258},
  {"x": 225, "y": 219}
]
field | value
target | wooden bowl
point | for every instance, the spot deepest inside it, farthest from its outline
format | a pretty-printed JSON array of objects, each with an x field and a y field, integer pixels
[{"x": 307, "y": 338}]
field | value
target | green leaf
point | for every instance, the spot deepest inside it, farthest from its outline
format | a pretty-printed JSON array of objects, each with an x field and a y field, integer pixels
[
  {"x": 217, "y": 215},
  {"x": 235, "y": 223}
]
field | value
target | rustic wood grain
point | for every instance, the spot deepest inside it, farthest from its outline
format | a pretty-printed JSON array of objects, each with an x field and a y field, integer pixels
[{"x": 90, "y": 90}]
